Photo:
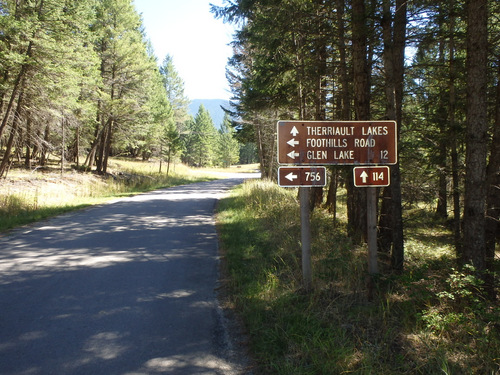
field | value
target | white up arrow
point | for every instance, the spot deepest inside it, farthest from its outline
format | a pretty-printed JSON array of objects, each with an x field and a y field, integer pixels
[
  {"x": 294, "y": 131},
  {"x": 292, "y": 142},
  {"x": 293, "y": 154},
  {"x": 364, "y": 176},
  {"x": 290, "y": 176}
]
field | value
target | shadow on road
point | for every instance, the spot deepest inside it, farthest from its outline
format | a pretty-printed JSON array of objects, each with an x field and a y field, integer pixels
[{"x": 123, "y": 288}]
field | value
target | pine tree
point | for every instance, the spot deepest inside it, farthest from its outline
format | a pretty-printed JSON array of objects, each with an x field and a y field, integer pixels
[
  {"x": 125, "y": 66},
  {"x": 49, "y": 66},
  {"x": 477, "y": 134},
  {"x": 200, "y": 139},
  {"x": 174, "y": 86},
  {"x": 171, "y": 144},
  {"x": 228, "y": 147}
]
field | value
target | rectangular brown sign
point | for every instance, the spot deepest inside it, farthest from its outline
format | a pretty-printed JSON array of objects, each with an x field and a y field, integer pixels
[
  {"x": 301, "y": 176},
  {"x": 337, "y": 142},
  {"x": 372, "y": 176}
]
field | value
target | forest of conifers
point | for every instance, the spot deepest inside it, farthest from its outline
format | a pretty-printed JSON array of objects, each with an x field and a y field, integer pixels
[
  {"x": 79, "y": 80},
  {"x": 434, "y": 67}
]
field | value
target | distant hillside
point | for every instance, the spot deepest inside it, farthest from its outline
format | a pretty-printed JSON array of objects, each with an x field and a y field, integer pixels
[{"x": 213, "y": 106}]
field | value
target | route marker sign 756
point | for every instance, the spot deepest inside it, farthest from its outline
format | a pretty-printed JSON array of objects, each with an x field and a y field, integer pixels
[{"x": 301, "y": 176}]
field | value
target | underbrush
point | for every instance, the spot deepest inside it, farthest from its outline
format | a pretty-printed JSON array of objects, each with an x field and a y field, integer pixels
[
  {"x": 431, "y": 319},
  {"x": 28, "y": 196}
]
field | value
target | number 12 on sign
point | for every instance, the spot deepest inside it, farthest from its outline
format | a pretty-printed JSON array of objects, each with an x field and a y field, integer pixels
[{"x": 371, "y": 176}]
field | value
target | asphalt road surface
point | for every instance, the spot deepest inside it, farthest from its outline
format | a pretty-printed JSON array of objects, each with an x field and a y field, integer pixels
[{"x": 123, "y": 288}]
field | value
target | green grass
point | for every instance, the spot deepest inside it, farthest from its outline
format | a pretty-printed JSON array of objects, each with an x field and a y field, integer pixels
[
  {"x": 27, "y": 197},
  {"x": 428, "y": 320}
]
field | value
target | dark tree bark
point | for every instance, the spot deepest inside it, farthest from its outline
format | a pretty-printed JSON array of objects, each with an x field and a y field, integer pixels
[
  {"x": 44, "y": 146},
  {"x": 356, "y": 202},
  {"x": 397, "y": 259},
  {"x": 493, "y": 197},
  {"x": 343, "y": 69},
  {"x": 343, "y": 100},
  {"x": 477, "y": 137},
  {"x": 453, "y": 132},
  {"x": 27, "y": 157},
  {"x": 13, "y": 133},
  {"x": 441, "y": 113},
  {"x": 394, "y": 35}
]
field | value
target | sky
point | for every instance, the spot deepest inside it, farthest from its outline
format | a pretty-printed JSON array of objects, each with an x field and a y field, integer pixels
[{"x": 198, "y": 43}]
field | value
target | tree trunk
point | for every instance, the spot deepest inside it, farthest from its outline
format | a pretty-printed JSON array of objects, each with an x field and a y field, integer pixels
[
  {"x": 444, "y": 128},
  {"x": 442, "y": 203},
  {"x": 453, "y": 133},
  {"x": 343, "y": 100},
  {"x": 77, "y": 146},
  {"x": 107, "y": 146},
  {"x": 19, "y": 82},
  {"x": 13, "y": 132},
  {"x": 394, "y": 35},
  {"x": 18, "y": 86},
  {"x": 63, "y": 145},
  {"x": 493, "y": 198},
  {"x": 476, "y": 137},
  {"x": 27, "y": 157},
  {"x": 44, "y": 148},
  {"x": 343, "y": 70},
  {"x": 397, "y": 259},
  {"x": 357, "y": 197},
  {"x": 101, "y": 142}
]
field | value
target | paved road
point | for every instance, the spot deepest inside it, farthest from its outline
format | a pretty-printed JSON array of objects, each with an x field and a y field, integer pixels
[{"x": 122, "y": 288}]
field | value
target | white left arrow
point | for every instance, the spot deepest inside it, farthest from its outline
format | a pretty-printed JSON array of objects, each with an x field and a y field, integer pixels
[
  {"x": 364, "y": 176},
  {"x": 292, "y": 142},
  {"x": 290, "y": 176},
  {"x": 293, "y": 154}
]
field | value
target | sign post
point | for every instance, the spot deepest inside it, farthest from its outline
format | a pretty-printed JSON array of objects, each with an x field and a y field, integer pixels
[
  {"x": 371, "y": 229},
  {"x": 305, "y": 236},
  {"x": 371, "y": 178}
]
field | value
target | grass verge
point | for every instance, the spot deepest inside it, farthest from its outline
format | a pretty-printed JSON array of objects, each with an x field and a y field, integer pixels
[{"x": 428, "y": 320}]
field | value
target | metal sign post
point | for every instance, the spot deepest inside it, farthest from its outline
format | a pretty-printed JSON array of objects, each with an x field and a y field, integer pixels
[
  {"x": 371, "y": 224},
  {"x": 305, "y": 234},
  {"x": 371, "y": 178}
]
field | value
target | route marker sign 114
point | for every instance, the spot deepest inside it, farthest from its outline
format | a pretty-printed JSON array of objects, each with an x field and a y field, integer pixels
[
  {"x": 372, "y": 176},
  {"x": 337, "y": 142},
  {"x": 301, "y": 176}
]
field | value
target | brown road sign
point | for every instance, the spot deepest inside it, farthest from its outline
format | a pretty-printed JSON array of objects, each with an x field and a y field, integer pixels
[
  {"x": 337, "y": 142},
  {"x": 372, "y": 176},
  {"x": 301, "y": 176}
]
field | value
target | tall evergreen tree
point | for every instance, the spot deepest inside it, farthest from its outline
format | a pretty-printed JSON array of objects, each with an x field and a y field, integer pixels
[
  {"x": 200, "y": 139},
  {"x": 394, "y": 36},
  {"x": 47, "y": 64},
  {"x": 228, "y": 147},
  {"x": 124, "y": 68},
  {"x": 171, "y": 144},
  {"x": 174, "y": 86},
  {"x": 477, "y": 134}
]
